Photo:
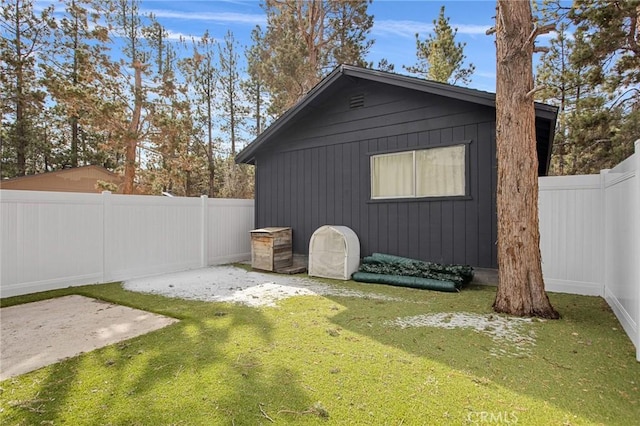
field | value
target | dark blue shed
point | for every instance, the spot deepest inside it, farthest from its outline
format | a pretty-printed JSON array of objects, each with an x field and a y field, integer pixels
[{"x": 408, "y": 164}]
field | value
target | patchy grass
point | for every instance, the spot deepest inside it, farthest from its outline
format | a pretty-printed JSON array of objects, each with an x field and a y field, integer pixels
[{"x": 341, "y": 360}]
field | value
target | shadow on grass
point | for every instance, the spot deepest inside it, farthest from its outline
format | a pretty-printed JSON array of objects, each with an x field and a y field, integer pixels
[
  {"x": 583, "y": 364},
  {"x": 205, "y": 369}
]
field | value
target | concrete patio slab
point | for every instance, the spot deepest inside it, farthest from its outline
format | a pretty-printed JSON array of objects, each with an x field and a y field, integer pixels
[{"x": 34, "y": 335}]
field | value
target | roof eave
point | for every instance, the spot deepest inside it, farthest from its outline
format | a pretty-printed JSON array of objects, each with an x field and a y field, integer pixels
[{"x": 247, "y": 155}]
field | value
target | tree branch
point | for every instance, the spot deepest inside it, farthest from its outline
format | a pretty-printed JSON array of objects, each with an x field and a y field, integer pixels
[
  {"x": 532, "y": 92},
  {"x": 540, "y": 49},
  {"x": 537, "y": 31}
]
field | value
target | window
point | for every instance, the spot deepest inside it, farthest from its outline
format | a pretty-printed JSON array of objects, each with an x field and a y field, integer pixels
[{"x": 434, "y": 172}]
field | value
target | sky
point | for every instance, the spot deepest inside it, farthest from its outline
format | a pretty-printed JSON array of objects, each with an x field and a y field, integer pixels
[{"x": 394, "y": 29}]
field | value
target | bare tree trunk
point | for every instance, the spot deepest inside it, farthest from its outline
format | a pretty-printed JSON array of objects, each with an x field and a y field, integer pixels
[
  {"x": 521, "y": 286},
  {"x": 211, "y": 153},
  {"x": 131, "y": 142},
  {"x": 21, "y": 127}
]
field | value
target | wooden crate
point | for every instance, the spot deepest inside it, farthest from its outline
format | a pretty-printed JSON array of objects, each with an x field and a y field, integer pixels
[{"x": 271, "y": 248}]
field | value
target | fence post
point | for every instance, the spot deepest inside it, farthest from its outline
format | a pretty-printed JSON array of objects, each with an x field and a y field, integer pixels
[
  {"x": 602, "y": 237},
  {"x": 204, "y": 231},
  {"x": 636, "y": 238},
  {"x": 106, "y": 217}
]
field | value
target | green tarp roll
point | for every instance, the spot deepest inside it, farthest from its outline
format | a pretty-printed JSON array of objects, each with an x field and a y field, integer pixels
[
  {"x": 387, "y": 264},
  {"x": 405, "y": 281}
]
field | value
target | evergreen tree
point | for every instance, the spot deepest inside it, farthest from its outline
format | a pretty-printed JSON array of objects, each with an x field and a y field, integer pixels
[
  {"x": 521, "y": 286},
  {"x": 170, "y": 160},
  {"x": 440, "y": 58},
  {"x": 75, "y": 78},
  {"x": 254, "y": 86},
  {"x": 303, "y": 40},
  {"x": 233, "y": 115},
  {"x": 199, "y": 71},
  {"x": 129, "y": 24},
  {"x": 232, "y": 111},
  {"x": 351, "y": 24},
  {"x": 24, "y": 36},
  {"x": 597, "y": 122},
  {"x": 611, "y": 30}
]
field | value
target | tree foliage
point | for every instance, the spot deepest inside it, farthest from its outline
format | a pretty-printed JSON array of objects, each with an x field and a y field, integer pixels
[
  {"x": 304, "y": 40},
  {"x": 24, "y": 37},
  {"x": 591, "y": 72},
  {"x": 439, "y": 57}
]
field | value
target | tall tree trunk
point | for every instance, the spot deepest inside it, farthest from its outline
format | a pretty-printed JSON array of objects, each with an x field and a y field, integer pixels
[
  {"x": 211, "y": 153},
  {"x": 21, "y": 126},
  {"x": 521, "y": 286},
  {"x": 74, "y": 80},
  {"x": 131, "y": 142}
]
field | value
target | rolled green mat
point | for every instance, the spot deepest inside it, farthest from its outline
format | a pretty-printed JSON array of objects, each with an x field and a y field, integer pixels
[
  {"x": 404, "y": 281},
  {"x": 463, "y": 271}
]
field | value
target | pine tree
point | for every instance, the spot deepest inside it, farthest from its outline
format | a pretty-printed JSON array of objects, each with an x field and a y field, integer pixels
[
  {"x": 596, "y": 123},
  {"x": 232, "y": 111},
  {"x": 24, "y": 36},
  {"x": 303, "y": 40},
  {"x": 254, "y": 86},
  {"x": 521, "y": 287},
  {"x": 440, "y": 58},
  {"x": 170, "y": 161},
  {"x": 75, "y": 76},
  {"x": 611, "y": 53},
  {"x": 351, "y": 23},
  {"x": 199, "y": 71},
  {"x": 129, "y": 25},
  {"x": 233, "y": 114}
]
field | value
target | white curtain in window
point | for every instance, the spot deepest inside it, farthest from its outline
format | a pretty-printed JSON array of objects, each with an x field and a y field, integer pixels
[
  {"x": 440, "y": 171},
  {"x": 392, "y": 175}
]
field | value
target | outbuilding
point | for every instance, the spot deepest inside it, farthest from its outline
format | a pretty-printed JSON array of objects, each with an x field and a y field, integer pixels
[{"x": 408, "y": 164}]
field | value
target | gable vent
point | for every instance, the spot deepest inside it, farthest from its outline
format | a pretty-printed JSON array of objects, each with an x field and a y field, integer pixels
[{"x": 356, "y": 101}]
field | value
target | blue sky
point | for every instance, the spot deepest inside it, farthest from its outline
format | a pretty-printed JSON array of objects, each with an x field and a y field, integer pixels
[{"x": 395, "y": 25}]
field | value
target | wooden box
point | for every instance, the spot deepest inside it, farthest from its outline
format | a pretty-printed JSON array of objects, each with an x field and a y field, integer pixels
[{"x": 271, "y": 248}]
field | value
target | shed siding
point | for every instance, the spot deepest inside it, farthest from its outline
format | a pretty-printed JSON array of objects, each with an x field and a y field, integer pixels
[{"x": 317, "y": 173}]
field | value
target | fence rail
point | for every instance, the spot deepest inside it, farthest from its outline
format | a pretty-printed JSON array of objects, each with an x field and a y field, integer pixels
[
  {"x": 590, "y": 238},
  {"x": 55, "y": 239}
]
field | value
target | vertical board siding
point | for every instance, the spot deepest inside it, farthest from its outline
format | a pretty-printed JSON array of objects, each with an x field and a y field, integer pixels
[
  {"x": 330, "y": 152},
  {"x": 52, "y": 240}
]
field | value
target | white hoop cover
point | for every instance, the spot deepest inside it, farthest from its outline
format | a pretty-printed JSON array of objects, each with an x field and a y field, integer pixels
[{"x": 334, "y": 252}]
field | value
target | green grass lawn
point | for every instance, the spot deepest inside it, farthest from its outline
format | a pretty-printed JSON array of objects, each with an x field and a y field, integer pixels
[{"x": 339, "y": 360}]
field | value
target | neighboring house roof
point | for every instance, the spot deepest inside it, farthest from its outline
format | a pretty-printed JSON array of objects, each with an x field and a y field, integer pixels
[
  {"x": 77, "y": 179},
  {"x": 545, "y": 113}
]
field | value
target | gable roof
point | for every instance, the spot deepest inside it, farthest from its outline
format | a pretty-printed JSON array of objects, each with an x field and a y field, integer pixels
[{"x": 545, "y": 114}]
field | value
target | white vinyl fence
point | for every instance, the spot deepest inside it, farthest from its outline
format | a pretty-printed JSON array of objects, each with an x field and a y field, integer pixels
[
  {"x": 590, "y": 238},
  {"x": 54, "y": 239}
]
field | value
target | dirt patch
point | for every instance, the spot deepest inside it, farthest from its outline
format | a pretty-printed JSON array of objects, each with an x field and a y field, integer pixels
[{"x": 34, "y": 335}]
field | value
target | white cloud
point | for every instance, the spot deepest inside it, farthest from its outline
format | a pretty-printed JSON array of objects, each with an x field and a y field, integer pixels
[
  {"x": 222, "y": 17},
  {"x": 472, "y": 29},
  {"x": 401, "y": 28},
  {"x": 410, "y": 28}
]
